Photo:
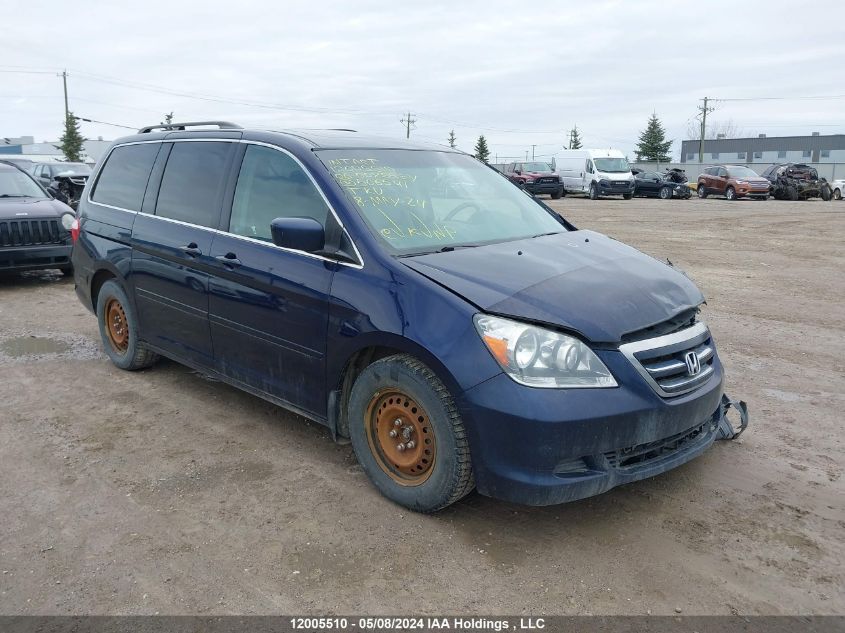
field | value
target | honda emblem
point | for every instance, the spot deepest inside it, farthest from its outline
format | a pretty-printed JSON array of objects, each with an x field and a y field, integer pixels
[{"x": 692, "y": 362}]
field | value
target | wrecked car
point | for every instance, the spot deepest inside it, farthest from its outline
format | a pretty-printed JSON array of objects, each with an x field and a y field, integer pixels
[
  {"x": 460, "y": 333},
  {"x": 64, "y": 181},
  {"x": 797, "y": 181}
]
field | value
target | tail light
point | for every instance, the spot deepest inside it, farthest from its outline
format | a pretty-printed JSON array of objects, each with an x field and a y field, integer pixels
[{"x": 74, "y": 230}]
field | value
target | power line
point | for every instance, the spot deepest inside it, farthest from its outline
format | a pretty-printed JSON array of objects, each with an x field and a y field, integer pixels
[
  {"x": 128, "y": 127},
  {"x": 805, "y": 98}
]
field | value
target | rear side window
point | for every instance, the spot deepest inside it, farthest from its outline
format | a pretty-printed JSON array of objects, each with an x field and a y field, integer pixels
[
  {"x": 272, "y": 185},
  {"x": 193, "y": 182},
  {"x": 124, "y": 177}
]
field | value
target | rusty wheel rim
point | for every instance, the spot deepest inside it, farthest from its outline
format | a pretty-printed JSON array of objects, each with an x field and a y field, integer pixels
[
  {"x": 116, "y": 326},
  {"x": 395, "y": 419}
]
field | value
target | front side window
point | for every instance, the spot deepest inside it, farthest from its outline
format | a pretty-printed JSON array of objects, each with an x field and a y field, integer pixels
[
  {"x": 193, "y": 181},
  {"x": 742, "y": 172},
  {"x": 124, "y": 177},
  {"x": 272, "y": 185},
  {"x": 426, "y": 201}
]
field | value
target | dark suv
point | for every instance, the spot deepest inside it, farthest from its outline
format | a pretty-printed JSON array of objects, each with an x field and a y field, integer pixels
[
  {"x": 34, "y": 228},
  {"x": 462, "y": 334},
  {"x": 797, "y": 181},
  {"x": 535, "y": 177}
]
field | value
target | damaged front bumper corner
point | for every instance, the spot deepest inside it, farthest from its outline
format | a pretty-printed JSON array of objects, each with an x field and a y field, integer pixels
[{"x": 726, "y": 430}]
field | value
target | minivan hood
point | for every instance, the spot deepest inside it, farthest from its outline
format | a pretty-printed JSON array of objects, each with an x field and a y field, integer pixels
[{"x": 581, "y": 280}]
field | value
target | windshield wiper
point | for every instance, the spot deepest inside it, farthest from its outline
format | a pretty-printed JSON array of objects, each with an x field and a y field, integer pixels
[
  {"x": 12, "y": 195},
  {"x": 545, "y": 234},
  {"x": 452, "y": 247}
]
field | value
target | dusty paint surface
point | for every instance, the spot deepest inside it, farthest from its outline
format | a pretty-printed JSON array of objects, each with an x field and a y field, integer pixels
[{"x": 162, "y": 492}]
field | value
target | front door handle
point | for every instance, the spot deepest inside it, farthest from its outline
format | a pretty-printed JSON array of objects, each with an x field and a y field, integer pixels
[
  {"x": 192, "y": 250},
  {"x": 229, "y": 259}
]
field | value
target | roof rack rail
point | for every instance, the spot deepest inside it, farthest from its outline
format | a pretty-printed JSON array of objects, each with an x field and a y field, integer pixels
[{"x": 223, "y": 125}]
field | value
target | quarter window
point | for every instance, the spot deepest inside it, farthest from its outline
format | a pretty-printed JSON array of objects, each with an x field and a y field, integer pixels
[
  {"x": 124, "y": 177},
  {"x": 272, "y": 185},
  {"x": 192, "y": 182}
]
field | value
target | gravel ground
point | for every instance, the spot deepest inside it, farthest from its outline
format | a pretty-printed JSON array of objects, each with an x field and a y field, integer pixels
[{"x": 165, "y": 492}]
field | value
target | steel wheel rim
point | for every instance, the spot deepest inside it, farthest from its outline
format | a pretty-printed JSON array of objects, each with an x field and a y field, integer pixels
[
  {"x": 413, "y": 464},
  {"x": 117, "y": 328}
]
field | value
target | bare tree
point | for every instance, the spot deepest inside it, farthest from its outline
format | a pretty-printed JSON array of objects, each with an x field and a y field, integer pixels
[{"x": 728, "y": 129}]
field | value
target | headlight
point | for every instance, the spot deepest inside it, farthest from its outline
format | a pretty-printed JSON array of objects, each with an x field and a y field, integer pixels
[
  {"x": 67, "y": 220},
  {"x": 537, "y": 357},
  {"x": 742, "y": 182}
]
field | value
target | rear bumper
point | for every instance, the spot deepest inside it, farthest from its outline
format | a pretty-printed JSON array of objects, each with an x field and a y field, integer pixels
[
  {"x": 34, "y": 257},
  {"x": 548, "y": 446}
]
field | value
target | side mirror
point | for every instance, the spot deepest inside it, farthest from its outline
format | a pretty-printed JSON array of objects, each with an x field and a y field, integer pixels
[
  {"x": 517, "y": 171},
  {"x": 301, "y": 234}
]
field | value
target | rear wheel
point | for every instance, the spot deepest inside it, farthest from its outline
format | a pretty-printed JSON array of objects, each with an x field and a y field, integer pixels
[
  {"x": 702, "y": 192},
  {"x": 557, "y": 194},
  {"x": 665, "y": 193},
  {"x": 837, "y": 194},
  {"x": 408, "y": 435},
  {"x": 594, "y": 191},
  {"x": 119, "y": 329},
  {"x": 730, "y": 193}
]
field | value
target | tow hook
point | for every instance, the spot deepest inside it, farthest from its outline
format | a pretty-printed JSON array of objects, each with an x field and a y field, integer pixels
[{"x": 725, "y": 429}]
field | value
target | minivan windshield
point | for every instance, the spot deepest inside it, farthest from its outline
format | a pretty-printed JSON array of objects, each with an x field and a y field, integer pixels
[
  {"x": 16, "y": 184},
  {"x": 612, "y": 165},
  {"x": 421, "y": 201}
]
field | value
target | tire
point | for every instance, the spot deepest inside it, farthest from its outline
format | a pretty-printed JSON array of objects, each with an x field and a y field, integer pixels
[
  {"x": 557, "y": 195},
  {"x": 826, "y": 193},
  {"x": 67, "y": 271},
  {"x": 702, "y": 192},
  {"x": 665, "y": 193},
  {"x": 594, "y": 191},
  {"x": 119, "y": 329},
  {"x": 401, "y": 388},
  {"x": 730, "y": 193},
  {"x": 627, "y": 196},
  {"x": 837, "y": 194}
]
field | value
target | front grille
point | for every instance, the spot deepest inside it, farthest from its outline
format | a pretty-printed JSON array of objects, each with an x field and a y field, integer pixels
[
  {"x": 677, "y": 323},
  {"x": 548, "y": 180},
  {"x": 674, "y": 364},
  {"x": 31, "y": 232},
  {"x": 642, "y": 454},
  {"x": 619, "y": 183}
]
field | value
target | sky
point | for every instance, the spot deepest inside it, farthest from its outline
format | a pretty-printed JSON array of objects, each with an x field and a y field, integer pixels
[{"x": 521, "y": 73}]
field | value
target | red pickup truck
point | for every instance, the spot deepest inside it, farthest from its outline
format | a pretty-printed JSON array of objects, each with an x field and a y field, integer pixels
[{"x": 535, "y": 177}]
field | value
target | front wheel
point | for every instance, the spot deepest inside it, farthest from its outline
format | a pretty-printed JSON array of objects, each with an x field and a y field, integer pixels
[
  {"x": 665, "y": 193},
  {"x": 826, "y": 193},
  {"x": 557, "y": 195},
  {"x": 730, "y": 193},
  {"x": 837, "y": 194},
  {"x": 627, "y": 196},
  {"x": 408, "y": 435},
  {"x": 119, "y": 329},
  {"x": 702, "y": 192},
  {"x": 594, "y": 191}
]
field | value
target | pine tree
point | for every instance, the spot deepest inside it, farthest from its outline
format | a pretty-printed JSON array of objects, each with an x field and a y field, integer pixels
[
  {"x": 481, "y": 150},
  {"x": 452, "y": 138},
  {"x": 168, "y": 118},
  {"x": 653, "y": 145},
  {"x": 71, "y": 141},
  {"x": 574, "y": 138}
]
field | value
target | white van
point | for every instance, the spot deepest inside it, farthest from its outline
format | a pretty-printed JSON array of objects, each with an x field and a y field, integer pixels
[{"x": 596, "y": 172}]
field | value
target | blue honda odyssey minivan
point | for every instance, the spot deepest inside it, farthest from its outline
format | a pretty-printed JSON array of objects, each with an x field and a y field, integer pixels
[{"x": 459, "y": 332}]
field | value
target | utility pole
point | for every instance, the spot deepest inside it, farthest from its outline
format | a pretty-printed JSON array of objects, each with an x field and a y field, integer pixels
[
  {"x": 64, "y": 84},
  {"x": 704, "y": 110},
  {"x": 532, "y": 151},
  {"x": 408, "y": 122}
]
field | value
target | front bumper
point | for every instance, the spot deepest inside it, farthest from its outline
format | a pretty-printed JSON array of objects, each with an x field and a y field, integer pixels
[
  {"x": 542, "y": 187},
  {"x": 751, "y": 192},
  {"x": 546, "y": 446},
  {"x": 608, "y": 188},
  {"x": 34, "y": 257}
]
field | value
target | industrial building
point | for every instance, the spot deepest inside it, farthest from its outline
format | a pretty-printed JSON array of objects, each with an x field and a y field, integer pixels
[
  {"x": 26, "y": 147},
  {"x": 766, "y": 150}
]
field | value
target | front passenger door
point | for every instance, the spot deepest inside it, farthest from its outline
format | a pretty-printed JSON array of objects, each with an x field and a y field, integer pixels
[{"x": 268, "y": 306}]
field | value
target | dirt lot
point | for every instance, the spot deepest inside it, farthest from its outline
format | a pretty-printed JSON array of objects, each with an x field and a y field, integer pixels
[{"x": 165, "y": 492}]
